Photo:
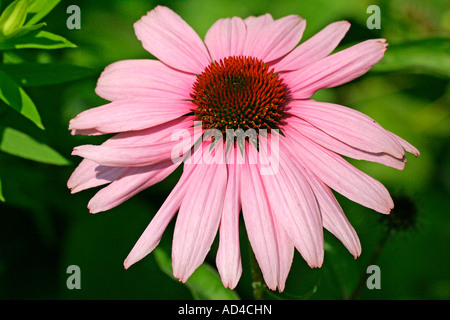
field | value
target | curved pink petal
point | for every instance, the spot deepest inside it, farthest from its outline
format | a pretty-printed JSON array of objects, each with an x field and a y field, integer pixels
[
  {"x": 131, "y": 79},
  {"x": 170, "y": 39},
  {"x": 333, "y": 217},
  {"x": 331, "y": 143},
  {"x": 339, "y": 175},
  {"x": 226, "y": 38},
  {"x": 268, "y": 40},
  {"x": 228, "y": 258},
  {"x": 89, "y": 174},
  {"x": 350, "y": 126},
  {"x": 198, "y": 219},
  {"x": 408, "y": 147},
  {"x": 151, "y": 237},
  {"x": 295, "y": 208},
  {"x": 336, "y": 69},
  {"x": 315, "y": 48},
  {"x": 130, "y": 115},
  {"x": 133, "y": 181}
]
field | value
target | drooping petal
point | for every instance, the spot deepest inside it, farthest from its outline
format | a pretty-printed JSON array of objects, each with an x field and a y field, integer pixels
[
  {"x": 336, "y": 145},
  {"x": 333, "y": 217},
  {"x": 295, "y": 207},
  {"x": 349, "y": 126},
  {"x": 259, "y": 221},
  {"x": 316, "y": 48},
  {"x": 228, "y": 258},
  {"x": 336, "y": 69},
  {"x": 130, "y": 115},
  {"x": 133, "y": 181},
  {"x": 131, "y": 79},
  {"x": 90, "y": 174},
  {"x": 285, "y": 254},
  {"x": 339, "y": 175},
  {"x": 152, "y": 235},
  {"x": 269, "y": 40},
  {"x": 226, "y": 38},
  {"x": 198, "y": 219},
  {"x": 170, "y": 39}
]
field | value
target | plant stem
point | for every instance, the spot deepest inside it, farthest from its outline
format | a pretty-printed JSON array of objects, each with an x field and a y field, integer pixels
[
  {"x": 373, "y": 259},
  {"x": 258, "y": 284}
]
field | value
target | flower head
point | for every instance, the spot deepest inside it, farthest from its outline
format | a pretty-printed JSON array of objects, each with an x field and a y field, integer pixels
[{"x": 247, "y": 80}]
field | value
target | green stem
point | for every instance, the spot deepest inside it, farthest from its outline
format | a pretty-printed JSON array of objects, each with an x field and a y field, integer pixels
[
  {"x": 258, "y": 284},
  {"x": 373, "y": 259}
]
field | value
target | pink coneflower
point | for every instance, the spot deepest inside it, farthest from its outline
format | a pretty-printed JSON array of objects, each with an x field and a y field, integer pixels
[{"x": 247, "y": 74}]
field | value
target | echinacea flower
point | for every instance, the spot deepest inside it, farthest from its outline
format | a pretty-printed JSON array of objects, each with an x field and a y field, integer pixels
[{"x": 248, "y": 74}]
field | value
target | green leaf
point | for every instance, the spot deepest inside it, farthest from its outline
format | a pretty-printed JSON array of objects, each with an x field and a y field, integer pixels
[
  {"x": 429, "y": 56},
  {"x": 22, "y": 145},
  {"x": 204, "y": 283},
  {"x": 2, "y": 198},
  {"x": 15, "y": 97},
  {"x": 38, "y": 74},
  {"x": 37, "y": 39},
  {"x": 40, "y": 8},
  {"x": 13, "y": 17}
]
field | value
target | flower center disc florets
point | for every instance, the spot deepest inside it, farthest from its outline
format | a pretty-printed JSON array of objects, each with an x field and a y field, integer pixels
[{"x": 239, "y": 93}]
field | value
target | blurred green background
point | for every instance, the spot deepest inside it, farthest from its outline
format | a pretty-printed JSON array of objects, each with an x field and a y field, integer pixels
[{"x": 44, "y": 229}]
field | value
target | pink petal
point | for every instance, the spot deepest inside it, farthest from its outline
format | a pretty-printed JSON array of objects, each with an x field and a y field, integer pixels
[
  {"x": 137, "y": 149},
  {"x": 228, "y": 258},
  {"x": 285, "y": 254},
  {"x": 130, "y": 79},
  {"x": 333, "y": 144},
  {"x": 295, "y": 208},
  {"x": 198, "y": 219},
  {"x": 156, "y": 134},
  {"x": 226, "y": 38},
  {"x": 130, "y": 115},
  {"x": 269, "y": 40},
  {"x": 152, "y": 235},
  {"x": 170, "y": 39},
  {"x": 131, "y": 183},
  {"x": 339, "y": 175},
  {"x": 90, "y": 174},
  {"x": 316, "y": 48},
  {"x": 406, "y": 145},
  {"x": 128, "y": 156},
  {"x": 336, "y": 69},
  {"x": 347, "y": 125},
  {"x": 333, "y": 217},
  {"x": 259, "y": 222}
]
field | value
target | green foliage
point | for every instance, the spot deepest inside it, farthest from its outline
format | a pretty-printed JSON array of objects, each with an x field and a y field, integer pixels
[
  {"x": 21, "y": 145},
  {"x": 31, "y": 74},
  {"x": 426, "y": 56},
  {"x": 204, "y": 284},
  {"x": 15, "y": 97},
  {"x": 20, "y": 29}
]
